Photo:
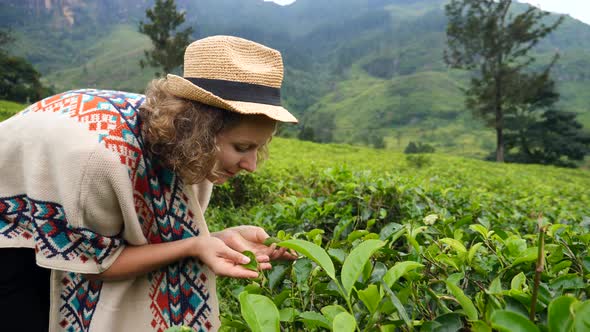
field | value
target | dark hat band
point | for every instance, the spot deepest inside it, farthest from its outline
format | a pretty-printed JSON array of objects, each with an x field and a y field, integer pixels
[{"x": 239, "y": 91}]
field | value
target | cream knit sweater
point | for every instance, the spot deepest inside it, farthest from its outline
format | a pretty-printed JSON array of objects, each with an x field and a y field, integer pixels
[{"x": 77, "y": 186}]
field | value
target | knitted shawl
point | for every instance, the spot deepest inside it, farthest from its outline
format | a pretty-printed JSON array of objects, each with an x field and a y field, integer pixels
[{"x": 78, "y": 186}]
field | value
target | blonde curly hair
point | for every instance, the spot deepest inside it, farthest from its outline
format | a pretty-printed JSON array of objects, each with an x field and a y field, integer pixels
[{"x": 182, "y": 133}]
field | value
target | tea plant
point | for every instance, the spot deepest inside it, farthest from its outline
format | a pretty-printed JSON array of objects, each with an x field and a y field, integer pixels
[{"x": 460, "y": 245}]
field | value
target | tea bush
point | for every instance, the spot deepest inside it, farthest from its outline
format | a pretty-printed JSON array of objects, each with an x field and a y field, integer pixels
[{"x": 459, "y": 245}]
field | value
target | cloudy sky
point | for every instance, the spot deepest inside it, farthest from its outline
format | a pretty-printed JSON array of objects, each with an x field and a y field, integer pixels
[
  {"x": 282, "y": 2},
  {"x": 579, "y": 9}
]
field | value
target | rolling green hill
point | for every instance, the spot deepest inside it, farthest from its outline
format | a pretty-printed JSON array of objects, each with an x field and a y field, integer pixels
[
  {"x": 354, "y": 68},
  {"x": 113, "y": 63}
]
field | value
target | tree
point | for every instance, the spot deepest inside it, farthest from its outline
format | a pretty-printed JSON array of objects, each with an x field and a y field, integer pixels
[
  {"x": 484, "y": 36},
  {"x": 557, "y": 139},
  {"x": 418, "y": 148},
  {"x": 169, "y": 44},
  {"x": 19, "y": 81},
  {"x": 306, "y": 133}
]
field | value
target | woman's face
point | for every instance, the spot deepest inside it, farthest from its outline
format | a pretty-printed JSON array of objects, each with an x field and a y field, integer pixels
[{"x": 239, "y": 145}]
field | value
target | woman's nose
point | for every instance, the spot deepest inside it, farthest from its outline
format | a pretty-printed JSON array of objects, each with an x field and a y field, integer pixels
[{"x": 249, "y": 161}]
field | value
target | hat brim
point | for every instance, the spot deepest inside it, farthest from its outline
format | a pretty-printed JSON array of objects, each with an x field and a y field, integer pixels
[{"x": 183, "y": 88}]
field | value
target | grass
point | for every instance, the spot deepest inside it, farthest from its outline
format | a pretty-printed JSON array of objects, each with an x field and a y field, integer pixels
[{"x": 9, "y": 108}]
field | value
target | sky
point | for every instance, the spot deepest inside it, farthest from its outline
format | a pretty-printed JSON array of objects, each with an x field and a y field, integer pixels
[
  {"x": 282, "y": 2},
  {"x": 579, "y": 9}
]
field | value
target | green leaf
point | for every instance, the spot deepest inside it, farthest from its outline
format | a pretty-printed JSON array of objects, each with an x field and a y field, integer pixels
[
  {"x": 330, "y": 311},
  {"x": 397, "y": 304},
  {"x": 399, "y": 270},
  {"x": 561, "y": 266},
  {"x": 458, "y": 246},
  {"x": 314, "y": 232},
  {"x": 314, "y": 319},
  {"x": 288, "y": 314},
  {"x": 338, "y": 254},
  {"x": 356, "y": 235},
  {"x": 355, "y": 262},
  {"x": 529, "y": 255},
  {"x": 344, "y": 322},
  {"x": 472, "y": 251},
  {"x": 313, "y": 251},
  {"x": 253, "y": 264},
  {"x": 560, "y": 317},
  {"x": 259, "y": 312},
  {"x": 495, "y": 287},
  {"x": 463, "y": 300},
  {"x": 302, "y": 269},
  {"x": 480, "y": 326},
  {"x": 508, "y": 321},
  {"x": 370, "y": 297},
  {"x": 276, "y": 275},
  {"x": 480, "y": 229},
  {"x": 515, "y": 245},
  {"x": 271, "y": 240},
  {"x": 568, "y": 281},
  {"x": 389, "y": 230},
  {"x": 582, "y": 316},
  {"x": 450, "y": 322},
  {"x": 518, "y": 282}
]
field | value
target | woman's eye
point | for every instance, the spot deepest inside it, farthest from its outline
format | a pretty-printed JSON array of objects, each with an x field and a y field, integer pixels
[{"x": 241, "y": 148}]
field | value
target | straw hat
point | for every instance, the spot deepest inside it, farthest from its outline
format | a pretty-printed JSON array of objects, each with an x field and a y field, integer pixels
[{"x": 235, "y": 74}]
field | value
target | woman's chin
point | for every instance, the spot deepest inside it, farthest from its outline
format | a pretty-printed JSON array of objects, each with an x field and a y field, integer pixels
[{"x": 218, "y": 179}]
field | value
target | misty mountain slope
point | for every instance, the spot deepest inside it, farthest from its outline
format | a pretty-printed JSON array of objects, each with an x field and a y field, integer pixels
[{"x": 349, "y": 63}]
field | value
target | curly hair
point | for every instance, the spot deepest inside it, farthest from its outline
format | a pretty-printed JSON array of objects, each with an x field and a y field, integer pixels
[{"x": 182, "y": 133}]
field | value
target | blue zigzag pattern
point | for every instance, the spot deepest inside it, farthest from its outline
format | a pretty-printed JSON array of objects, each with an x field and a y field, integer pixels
[
  {"x": 79, "y": 299},
  {"x": 54, "y": 237}
]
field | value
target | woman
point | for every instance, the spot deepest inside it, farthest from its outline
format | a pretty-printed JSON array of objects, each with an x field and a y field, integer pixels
[{"x": 109, "y": 188}]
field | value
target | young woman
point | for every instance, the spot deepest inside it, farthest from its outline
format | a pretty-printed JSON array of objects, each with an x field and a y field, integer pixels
[{"x": 109, "y": 189}]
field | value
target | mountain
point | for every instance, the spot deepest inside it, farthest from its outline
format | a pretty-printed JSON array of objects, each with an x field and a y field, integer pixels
[{"x": 355, "y": 69}]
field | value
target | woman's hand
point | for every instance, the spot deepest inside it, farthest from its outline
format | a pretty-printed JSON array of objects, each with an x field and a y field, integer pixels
[
  {"x": 220, "y": 258},
  {"x": 242, "y": 238}
]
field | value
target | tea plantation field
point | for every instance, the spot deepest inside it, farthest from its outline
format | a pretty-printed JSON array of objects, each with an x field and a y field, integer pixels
[
  {"x": 394, "y": 242},
  {"x": 430, "y": 243}
]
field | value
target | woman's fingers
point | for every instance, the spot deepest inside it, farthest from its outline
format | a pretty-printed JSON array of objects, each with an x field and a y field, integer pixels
[
  {"x": 237, "y": 271},
  {"x": 235, "y": 256},
  {"x": 262, "y": 258},
  {"x": 265, "y": 266}
]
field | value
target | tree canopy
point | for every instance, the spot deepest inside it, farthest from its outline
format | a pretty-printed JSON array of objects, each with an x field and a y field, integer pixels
[
  {"x": 169, "y": 44},
  {"x": 493, "y": 41},
  {"x": 19, "y": 81}
]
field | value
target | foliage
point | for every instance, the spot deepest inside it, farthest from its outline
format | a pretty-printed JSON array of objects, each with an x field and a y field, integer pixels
[
  {"x": 386, "y": 247},
  {"x": 557, "y": 139},
  {"x": 483, "y": 36},
  {"x": 418, "y": 160},
  {"x": 19, "y": 81},
  {"x": 169, "y": 44},
  {"x": 9, "y": 108},
  {"x": 418, "y": 148}
]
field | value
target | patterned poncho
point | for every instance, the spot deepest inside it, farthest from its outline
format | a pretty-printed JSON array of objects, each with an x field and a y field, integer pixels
[{"x": 78, "y": 186}]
